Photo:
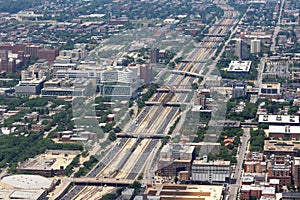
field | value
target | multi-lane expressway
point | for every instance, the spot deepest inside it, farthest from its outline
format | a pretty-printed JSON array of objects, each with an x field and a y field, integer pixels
[{"x": 127, "y": 159}]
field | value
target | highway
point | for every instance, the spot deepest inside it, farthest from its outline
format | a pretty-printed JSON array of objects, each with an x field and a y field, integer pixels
[{"x": 128, "y": 157}]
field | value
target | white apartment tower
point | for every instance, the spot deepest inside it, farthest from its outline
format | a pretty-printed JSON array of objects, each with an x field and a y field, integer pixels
[{"x": 255, "y": 46}]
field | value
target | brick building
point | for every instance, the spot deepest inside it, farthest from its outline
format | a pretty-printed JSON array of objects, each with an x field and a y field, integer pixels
[{"x": 280, "y": 167}]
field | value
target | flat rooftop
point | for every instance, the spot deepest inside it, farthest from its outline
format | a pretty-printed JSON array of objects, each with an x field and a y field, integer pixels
[
  {"x": 50, "y": 160},
  {"x": 239, "y": 66},
  {"x": 203, "y": 192},
  {"x": 26, "y": 181},
  {"x": 270, "y": 86},
  {"x": 21, "y": 194},
  {"x": 224, "y": 123},
  {"x": 286, "y": 119},
  {"x": 284, "y": 129},
  {"x": 215, "y": 162},
  {"x": 296, "y": 160},
  {"x": 287, "y": 146}
]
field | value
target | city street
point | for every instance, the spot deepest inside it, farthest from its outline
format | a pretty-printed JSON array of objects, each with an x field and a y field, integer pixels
[{"x": 234, "y": 187}]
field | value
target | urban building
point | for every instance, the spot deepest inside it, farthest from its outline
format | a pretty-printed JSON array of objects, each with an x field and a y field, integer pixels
[
  {"x": 279, "y": 147},
  {"x": 239, "y": 89},
  {"x": 65, "y": 64},
  {"x": 180, "y": 192},
  {"x": 146, "y": 73},
  {"x": 127, "y": 194},
  {"x": 32, "y": 87},
  {"x": 241, "y": 49},
  {"x": 74, "y": 55},
  {"x": 287, "y": 131},
  {"x": 213, "y": 81},
  {"x": 212, "y": 172},
  {"x": 32, "y": 49},
  {"x": 255, "y": 163},
  {"x": 70, "y": 87},
  {"x": 52, "y": 162},
  {"x": 290, "y": 196},
  {"x": 239, "y": 66},
  {"x": 175, "y": 158},
  {"x": 270, "y": 91},
  {"x": 7, "y": 64},
  {"x": 36, "y": 71},
  {"x": 48, "y": 54},
  {"x": 119, "y": 81},
  {"x": 200, "y": 99},
  {"x": 255, "y": 46},
  {"x": 296, "y": 171},
  {"x": 154, "y": 56},
  {"x": 280, "y": 167},
  {"x": 257, "y": 191},
  {"x": 37, "y": 194},
  {"x": 24, "y": 186},
  {"x": 279, "y": 120},
  {"x": 29, "y": 182},
  {"x": 112, "y": 81}
]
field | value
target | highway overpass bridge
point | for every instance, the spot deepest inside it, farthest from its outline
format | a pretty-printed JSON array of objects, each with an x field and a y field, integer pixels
[
  {"x": 141, "y": 135},
  {"x": 101, "y": 181},
  {"x": 177, "y": 90},
  {"x": 158, "y": 103},
  {"x": 196, "y": 61},
  {"x": 216, "y": 35},
  {"x": 192, "y": 74}
]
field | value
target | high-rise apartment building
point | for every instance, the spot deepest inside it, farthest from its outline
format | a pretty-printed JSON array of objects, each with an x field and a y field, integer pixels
[
  {"x": 255, "y": 46},
  {"x": 241, "y": 49},
  {"x": 154, "y": 55}
]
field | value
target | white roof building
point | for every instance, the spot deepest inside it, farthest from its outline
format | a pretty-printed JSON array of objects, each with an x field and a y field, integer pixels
[
  {"x": 239, "y": 66},
  {"x": 278, "y": 119},
  {"x": 30, "y": 182}
]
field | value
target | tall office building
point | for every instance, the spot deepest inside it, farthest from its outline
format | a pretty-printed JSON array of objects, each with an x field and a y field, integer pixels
[
  {"x": 154, "y": 55},
  {"x": 241, "y": 49},
  {"x": 255, "y": 46}
]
